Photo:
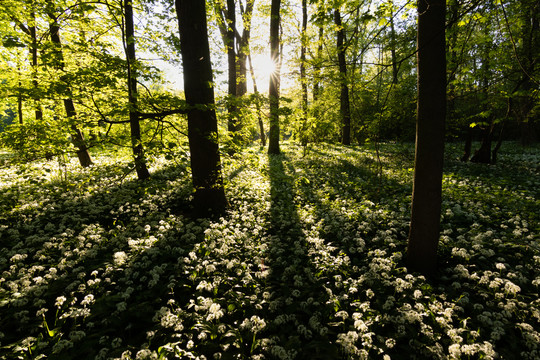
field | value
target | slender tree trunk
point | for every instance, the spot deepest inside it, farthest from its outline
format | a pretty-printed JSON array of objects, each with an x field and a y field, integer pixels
[
  {"x": 209, "y": 193},
  {"x": 453, "y": 31},
  {"x": 34, "y": 63},
  {"x": 317, "y": 62},
  {"x": 77, "y": 136},
  {"x": 393, "y": 49},
  {"x": 233, "y": 123},
  {"x": 498, "y": 145},
  {"x": 468, "y": 145},
  {"x": 257, "y": 103},
  {"x": 345, "y": 109},
  {"x": 273, "y": 92},
  {"x": 243, "y": 49},
  {"x": 303, "y": 79},
  {"x": 431, "y": 112},
  {"x": 19, "y": 100},
  {"x": 317, "y": 66},
  {"x": 135, "y": 126},
  {"x": 483, "y": 154}
]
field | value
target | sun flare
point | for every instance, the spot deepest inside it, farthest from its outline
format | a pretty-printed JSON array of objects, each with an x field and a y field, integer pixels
[{"x": 264, "y": 67}]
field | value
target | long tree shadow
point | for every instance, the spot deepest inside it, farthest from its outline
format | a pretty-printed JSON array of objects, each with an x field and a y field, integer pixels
[
  {"x": 347, "y": 226},
  {"x": 84, "y": 264},
  {"x": 300, "y": 301}
]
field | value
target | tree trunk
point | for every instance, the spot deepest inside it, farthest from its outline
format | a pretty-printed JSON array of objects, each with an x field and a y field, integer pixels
[
  {"x": 345, "y": 109},
  {"x": 483, "y": 154},
  {"x": 20, "y": 104},
  {"x": 303, "y": 80},
  {"x": 317, "y": 66},
  {"x": 241, "y": 74},
  {"x": 34, "y": 63},
  {"x": 498, "y": 145},
  {"x": 393, "y": 49},
  {"x": 243, "y": 48},
  {"x": 233, "y": 123},
  {"x": 135, "y": 126},
  {"x": 209, "y": 196},
  {"x": 273, "y": 92},
  {"x": 317, "y": 62},
  {"x": 431, "y": 111},
  {"x": 257, "y": 102},
  {"x": 468, "y": 145},
  {"x": 303, "y": 45},
  {"x": 77, "y": 136}
]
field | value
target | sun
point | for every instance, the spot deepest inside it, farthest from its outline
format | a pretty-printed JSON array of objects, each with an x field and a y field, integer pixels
[{"x": 264, "y": 67}]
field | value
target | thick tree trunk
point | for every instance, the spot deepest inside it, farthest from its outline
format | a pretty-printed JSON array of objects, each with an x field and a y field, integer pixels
[
  {"x": 431, "y": 111},
  {"x": 345, "y": 109},
  {"x": 209, "y": 196},
  {"x": 273, "y": 92},
  {"x": 77, "y": 136},
  {"x": 135, "y": 126},
  {"x": 241, "y": 66}
]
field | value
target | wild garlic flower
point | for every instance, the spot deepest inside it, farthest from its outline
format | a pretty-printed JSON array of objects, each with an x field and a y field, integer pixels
[
  {"x": 120, "y": 258},
  {"x": 88, "y": 300},
  {"x": 253, "y": 324}
]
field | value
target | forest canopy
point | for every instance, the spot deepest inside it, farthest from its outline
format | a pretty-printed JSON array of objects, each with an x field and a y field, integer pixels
[{"x": 75, "y": 50}]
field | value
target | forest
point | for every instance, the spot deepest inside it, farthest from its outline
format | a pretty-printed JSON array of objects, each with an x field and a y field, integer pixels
[{"x": 269, "y": 179}]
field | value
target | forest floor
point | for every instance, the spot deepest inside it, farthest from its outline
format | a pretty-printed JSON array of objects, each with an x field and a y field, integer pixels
[{"x": 308, "y": 262}]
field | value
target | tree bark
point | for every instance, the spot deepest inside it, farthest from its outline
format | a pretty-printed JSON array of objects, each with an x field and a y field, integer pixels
[
  {"x": 257, "y": 103},
  {"x": 209, "y": 196},
  {"x": 393, "y": 49},
  {"x": 303, "y": 45},
  {"x": 233, "y": 121},
  {"x": 77, "y": 136},
  {"x": 317, "y": 62},
  {"x": 135, "y": 126},
  {"x": 243, "y": 47},
  {"x": 273, "y": 91},
  {"x": 317, "y": 67},
  {"x": 468, "y": 145},
  {"x": 19, "y": 99},
  {"x": 303, "y": 79},
  {"x": 345, "y": 109},
  {"x": 431, "y": 112},
  {"x": 34, "y": 63},
  {"x": 483, "y": 154}
]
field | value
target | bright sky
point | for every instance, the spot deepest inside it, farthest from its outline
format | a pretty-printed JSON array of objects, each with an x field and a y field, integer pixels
[{"x": 262, "y": 65}]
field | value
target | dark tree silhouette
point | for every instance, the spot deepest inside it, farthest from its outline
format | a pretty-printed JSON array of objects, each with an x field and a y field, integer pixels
[
  {"x": 431, "y": 113},
  {"x": 345, "y": 107},
  {"x": 209, "y": 193},
  {"x": 273, "y": 92}
]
